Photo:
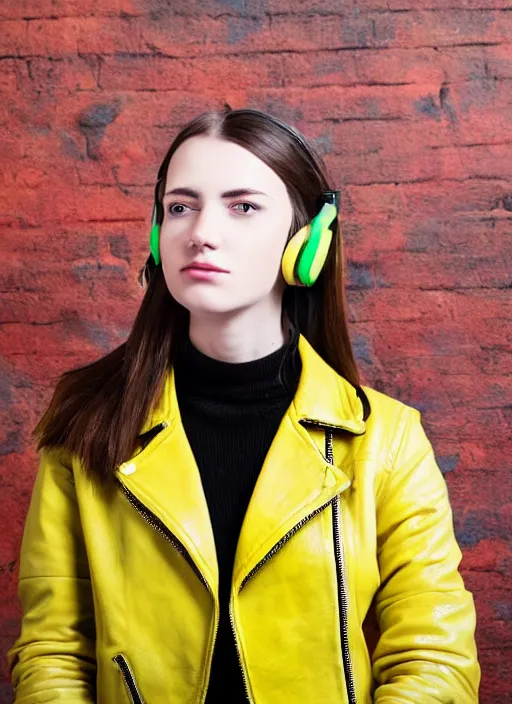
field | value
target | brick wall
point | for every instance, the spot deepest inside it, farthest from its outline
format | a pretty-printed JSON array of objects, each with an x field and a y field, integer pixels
[{"x": 409, "y": 101}]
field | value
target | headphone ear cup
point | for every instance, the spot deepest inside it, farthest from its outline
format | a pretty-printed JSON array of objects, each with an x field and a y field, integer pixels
[
  {"x": 313, "y": 256},
  {"x": 291, "y": 255},
  {"x": 311, "y": 263},
  {"x": 154, "y": 238}
]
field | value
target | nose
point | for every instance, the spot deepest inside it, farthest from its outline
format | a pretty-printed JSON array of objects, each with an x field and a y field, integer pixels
[{"x": 204, "y": 232}]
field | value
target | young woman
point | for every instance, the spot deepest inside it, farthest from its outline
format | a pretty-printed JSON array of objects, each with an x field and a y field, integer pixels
[{"x": 220, "y": 503}]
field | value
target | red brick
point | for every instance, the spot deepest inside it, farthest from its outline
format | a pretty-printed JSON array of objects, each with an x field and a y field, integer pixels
[
  {"x": 165, "y": 111},
  {"x": 407, "y": 164},
  {"x": 410, "y": 29},
  {"x": 337, "y": 103},
  {"x": 65, "y": 36},
  {"x": 452, "y": 27},
  {"x": 496, "y": 674},
  {"x": 410, "y": 162},
  {"x": 163, "y": 74},
  {"x": 324, "y": 6},
  {"x": 468, "y": 494},
  {"x": 486, "y": 555},
  {"x": 445, "y": 271},
  {"x": 185, "y": 36},
  {"x": 495, "y": 359},
  {"x": 458, "y": 5},
  {"x": 397, "y": 66},
  {"x": 64, "y": 8},
  {"x": 477, "y": 458},
  {"x": 74, "y": 204},
  {"x": 451, "y": 234},
  {"x": 54, "y": 248},
  {"x": 483, "y": 391},
  {"x": 181, "y": 35},
  {"x": 357, "y": 6},
  {"x": 8, "y": 76},
  {"x": 393, "y": 304},
  {"x": 13, "y": 38},
  {"x": 472, "y": 425},
  {"x": 473, "y": 199},
  {"x": 360, "y": 136},
  {"x": 67, "y": 74}
]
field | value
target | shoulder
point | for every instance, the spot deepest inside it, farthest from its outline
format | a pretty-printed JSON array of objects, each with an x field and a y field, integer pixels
[
  {"x": 391, "y": 424},
  {"x": 383, "y": 405}
]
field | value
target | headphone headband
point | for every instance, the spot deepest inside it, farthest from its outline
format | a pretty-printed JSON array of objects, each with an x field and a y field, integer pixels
[{"x": 332, "y": 197}]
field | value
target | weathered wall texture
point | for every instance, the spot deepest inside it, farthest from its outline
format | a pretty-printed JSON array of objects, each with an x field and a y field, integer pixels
[{"x": 411, "y": 103}]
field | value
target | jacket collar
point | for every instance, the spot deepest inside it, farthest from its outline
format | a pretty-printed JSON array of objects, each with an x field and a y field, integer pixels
[{"x": 323, "y": 398}]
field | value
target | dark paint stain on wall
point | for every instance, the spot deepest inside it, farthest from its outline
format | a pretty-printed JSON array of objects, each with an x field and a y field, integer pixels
[
  {"x": 360, "y": 275},
  {"x": 447, "y": 463},
  {"x": 93, "y": 123}
]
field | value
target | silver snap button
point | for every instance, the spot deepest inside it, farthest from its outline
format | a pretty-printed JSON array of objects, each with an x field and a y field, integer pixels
[{"x": 128, "y": 468}]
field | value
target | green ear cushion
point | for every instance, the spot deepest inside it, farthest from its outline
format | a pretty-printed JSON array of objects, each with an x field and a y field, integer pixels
[
  {"x": 154, "y": 238},
  {"x": 314, "y": 254}
]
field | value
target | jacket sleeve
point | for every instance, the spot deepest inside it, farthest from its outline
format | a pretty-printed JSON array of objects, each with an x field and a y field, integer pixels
[
  {"x": 54, "y": 656},
  {"x": 426, "y": 652}
]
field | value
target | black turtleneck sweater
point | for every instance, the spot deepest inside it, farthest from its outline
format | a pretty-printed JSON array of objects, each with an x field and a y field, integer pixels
[{"x": 231, "y": 413}]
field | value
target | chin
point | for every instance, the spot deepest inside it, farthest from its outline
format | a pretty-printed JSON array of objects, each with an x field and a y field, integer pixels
[
  {"x": 205, "y": 300},
  {"x": 201, "y": 303}
]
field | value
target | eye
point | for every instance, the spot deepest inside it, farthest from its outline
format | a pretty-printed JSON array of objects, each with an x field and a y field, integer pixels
[
  {"x": 245, "y": 207},
  {"x": 177, "y": 208}
]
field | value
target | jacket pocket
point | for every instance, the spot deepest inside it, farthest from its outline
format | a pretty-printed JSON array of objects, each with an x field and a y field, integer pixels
[{"x": 129, "y": 679}]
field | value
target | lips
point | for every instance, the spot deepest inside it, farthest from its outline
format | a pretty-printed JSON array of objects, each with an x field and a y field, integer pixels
[{"x": 203, "y": 266}]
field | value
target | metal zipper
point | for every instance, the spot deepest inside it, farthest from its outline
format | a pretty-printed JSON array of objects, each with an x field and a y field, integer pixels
[
  {"x": 129, "y": 679},
  {"x": 270, "y": 554},
  {"x": 162, "y": 529},
  {"x": 237, "y": 648},
  {"x": 312, "y": 423},
  {"x": 340, "y": 572},
  {"x": 343, "y": 602},
  {"x": 281, "y": 543}
]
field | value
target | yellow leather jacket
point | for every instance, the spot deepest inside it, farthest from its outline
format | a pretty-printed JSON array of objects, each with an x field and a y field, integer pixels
[{"x": 120, "y": 597}]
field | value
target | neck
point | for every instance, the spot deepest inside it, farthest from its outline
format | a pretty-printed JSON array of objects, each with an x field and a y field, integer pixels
[{"x": 240, "y": 336}]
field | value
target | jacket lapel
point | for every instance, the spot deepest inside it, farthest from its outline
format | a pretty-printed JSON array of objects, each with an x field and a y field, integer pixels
[
  {"x": 296, "y": 479},
  {"x": 166, "y": 479},
  {"x": 294, "y": 482}
]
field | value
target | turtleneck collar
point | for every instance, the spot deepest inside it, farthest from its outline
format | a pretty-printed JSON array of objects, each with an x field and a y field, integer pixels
[{"x": 269, "y": 378}]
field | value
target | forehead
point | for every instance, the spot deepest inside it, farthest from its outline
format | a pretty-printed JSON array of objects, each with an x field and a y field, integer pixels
[{"x": 210, "y": 164}]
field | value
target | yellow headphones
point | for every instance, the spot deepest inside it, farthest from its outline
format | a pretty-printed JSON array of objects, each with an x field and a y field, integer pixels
[{"x": 305, "y": 253}]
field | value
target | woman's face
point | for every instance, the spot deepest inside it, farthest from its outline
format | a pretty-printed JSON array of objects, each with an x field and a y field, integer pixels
[{"x": 223, "y": 208}]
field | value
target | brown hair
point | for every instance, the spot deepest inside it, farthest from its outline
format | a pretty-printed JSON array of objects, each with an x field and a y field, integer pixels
[{"x": 97, "y": 411}]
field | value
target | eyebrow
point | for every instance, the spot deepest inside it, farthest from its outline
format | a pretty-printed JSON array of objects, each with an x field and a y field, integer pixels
[{"x": 235, "y": 193}]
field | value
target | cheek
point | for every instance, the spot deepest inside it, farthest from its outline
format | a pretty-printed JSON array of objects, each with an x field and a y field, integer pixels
[
  {"x": 261, "y": 261},
  {"x": 171, "y": 248},
  {"x": 268, "y": 240},
  {"x": 172, "y": 260}
]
